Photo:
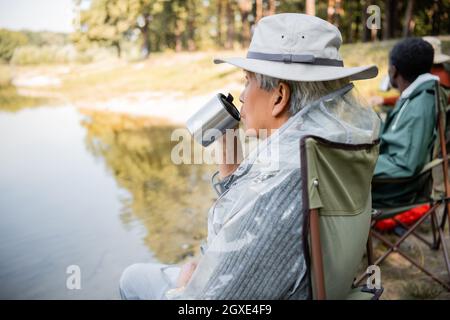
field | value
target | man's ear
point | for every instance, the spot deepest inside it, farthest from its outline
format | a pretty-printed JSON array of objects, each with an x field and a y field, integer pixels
[{"x": 281, "y": 97}]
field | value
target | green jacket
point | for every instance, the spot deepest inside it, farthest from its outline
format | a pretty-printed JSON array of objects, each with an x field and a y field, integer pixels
[
  {"x": 408, "y": 134},
  {"x": 406, "y": 142}
]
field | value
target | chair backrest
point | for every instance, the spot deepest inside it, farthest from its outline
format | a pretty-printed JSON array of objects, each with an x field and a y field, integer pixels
[{"x": 337, "y": 203}]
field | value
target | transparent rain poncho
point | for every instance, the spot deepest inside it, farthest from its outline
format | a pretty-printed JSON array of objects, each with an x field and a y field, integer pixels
[{"x": 254, "y": 247}]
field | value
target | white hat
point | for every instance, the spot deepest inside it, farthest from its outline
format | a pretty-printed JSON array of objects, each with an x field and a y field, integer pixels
[
  {"x": 298, "y": 47},
  {"x": 439, "y": 57}
]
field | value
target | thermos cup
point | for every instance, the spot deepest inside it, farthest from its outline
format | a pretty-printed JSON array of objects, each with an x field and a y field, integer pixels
[{"x": 213, "y": 119}]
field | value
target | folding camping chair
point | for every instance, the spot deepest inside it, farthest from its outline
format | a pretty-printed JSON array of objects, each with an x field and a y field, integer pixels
[
  {"x": 337, "y": 201},
  {"x": 435, "y": 192}
]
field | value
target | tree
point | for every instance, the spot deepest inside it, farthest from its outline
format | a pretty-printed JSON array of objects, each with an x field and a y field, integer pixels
[
  {"x": 389, "y": 19},
  {"x": 220, "y": 13},
  {"x": 272, "y": 7},
  {"x": 338, "y": 12},
  {"x": 110, "y": 22},
  {"x": 365, "y": 31},
  {"x": 230, "y": 24},
  {"x": 105, "y": 22},
  {"x": 142, "y": 11},
  {"x": 191, "y": 24},
  {"x": 259, "y": 10},
  {"x": 311, "y": 7},
  {"x": 9, "y": 41},
  {"x": 245, "y": 7},
  {"x": 408, "y": 25},
  {"x": 330, "y": 11}
]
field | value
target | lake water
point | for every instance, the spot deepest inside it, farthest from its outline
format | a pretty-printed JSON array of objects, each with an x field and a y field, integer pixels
[{"x": 94, "y": 190}]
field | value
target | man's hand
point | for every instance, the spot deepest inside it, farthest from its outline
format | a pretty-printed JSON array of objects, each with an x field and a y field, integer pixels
[
  {"x": 231, "y": 152},
  {"x": 375, "y": 101},
  {"x": 186, "y": 273}
]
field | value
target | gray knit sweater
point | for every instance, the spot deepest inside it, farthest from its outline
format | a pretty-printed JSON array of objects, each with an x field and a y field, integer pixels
[{"x": 272, "y": 267}]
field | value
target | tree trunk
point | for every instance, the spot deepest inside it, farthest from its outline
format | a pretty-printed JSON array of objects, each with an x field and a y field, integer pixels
[
  {"x": 436, "y": 18},
  {"x": 145, "y": 41},
  {"x": 230, "y": 25},
  {"x": 245, "y": 7},
  {"x": 310, "y": 7},
  {"x": 178, "y": 41},
  {"x": 191, "y": 26},
  {"x": 373, "y": 34},
  {"x": 365, "y": 31},
  {"x": 388, "y": 22},
  {"x": 145, "y": 48},
  {"x": 358, "y": 24},
  {"x": 272, "y": 7},
  {"x": 259, "y": 10},
  {"x": 408, "y": 18},
  {"x": 219, "y": 22},
  {"x": 337, "y": 13},
  {"x": 116, "y": 44},
  {"x": 330, "y": 11}
]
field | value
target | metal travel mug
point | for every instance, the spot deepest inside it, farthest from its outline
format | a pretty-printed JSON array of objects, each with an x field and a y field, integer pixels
[{"x": 219, "y": 113}]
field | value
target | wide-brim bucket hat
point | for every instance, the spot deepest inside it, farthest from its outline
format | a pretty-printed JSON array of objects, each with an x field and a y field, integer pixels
[{"x": 298, "y": 47}]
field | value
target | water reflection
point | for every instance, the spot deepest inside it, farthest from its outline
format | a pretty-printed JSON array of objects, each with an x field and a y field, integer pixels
[
  {"x": 170, "y": 200},
  {"x": 12, "y": 101},
  {"x": 60, "y": 207}
]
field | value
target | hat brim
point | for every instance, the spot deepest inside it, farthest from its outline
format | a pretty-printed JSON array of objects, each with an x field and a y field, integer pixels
[
  {"x": 441, "y": 58},
  {"x": 301, "y": 71}
]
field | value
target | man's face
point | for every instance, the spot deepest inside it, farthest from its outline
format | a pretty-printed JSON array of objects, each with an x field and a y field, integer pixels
[{"x": 256, "y": 111}]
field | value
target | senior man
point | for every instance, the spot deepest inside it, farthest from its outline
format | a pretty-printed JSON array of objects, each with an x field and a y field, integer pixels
[{"x": 296, "y": 85}]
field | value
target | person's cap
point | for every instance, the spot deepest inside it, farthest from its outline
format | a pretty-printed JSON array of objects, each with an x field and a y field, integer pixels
[{"x": 439, "y": 57}]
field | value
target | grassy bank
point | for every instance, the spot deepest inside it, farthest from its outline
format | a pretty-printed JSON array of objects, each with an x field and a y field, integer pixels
[
  {"x": 188, "y": 74},
  {"x": 10, "y": 99}
]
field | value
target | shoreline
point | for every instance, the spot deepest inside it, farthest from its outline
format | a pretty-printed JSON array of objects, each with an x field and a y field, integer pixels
[{"x": 173, "y": 107}]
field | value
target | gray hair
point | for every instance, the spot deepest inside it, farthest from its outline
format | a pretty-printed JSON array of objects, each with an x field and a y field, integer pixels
[{"x": 302, "y": 92}]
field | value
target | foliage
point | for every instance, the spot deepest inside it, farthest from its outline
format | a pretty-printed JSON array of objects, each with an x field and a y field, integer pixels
[
  {"x": 43, "y": 55},
  {"x": 192, "y": 24},
  {"x": 9, "y": 41}
]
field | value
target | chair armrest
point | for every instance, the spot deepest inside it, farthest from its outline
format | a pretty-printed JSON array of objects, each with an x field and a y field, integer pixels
[{"x": 428, "y": 167}]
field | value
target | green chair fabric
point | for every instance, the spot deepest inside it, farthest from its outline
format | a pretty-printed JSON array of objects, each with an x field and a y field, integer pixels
[{"x": 338, "y": 184}]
